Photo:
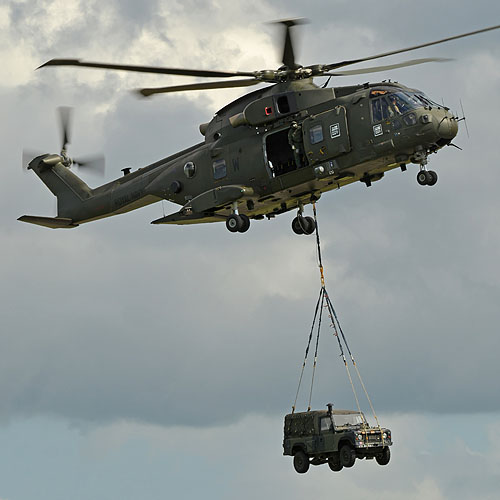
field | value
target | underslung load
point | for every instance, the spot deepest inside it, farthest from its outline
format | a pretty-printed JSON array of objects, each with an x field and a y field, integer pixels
[{"x": 336, "y": 437}]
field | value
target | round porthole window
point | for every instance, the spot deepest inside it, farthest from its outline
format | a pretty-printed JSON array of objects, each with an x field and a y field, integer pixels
[{"x": 189, "y": 169}]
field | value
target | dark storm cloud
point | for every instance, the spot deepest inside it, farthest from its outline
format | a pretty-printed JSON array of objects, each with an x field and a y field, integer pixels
[{"x": 120, "y": 319}]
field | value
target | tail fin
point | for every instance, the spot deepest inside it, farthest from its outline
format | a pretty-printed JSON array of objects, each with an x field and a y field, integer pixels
[{"x": 69, "y": 189}]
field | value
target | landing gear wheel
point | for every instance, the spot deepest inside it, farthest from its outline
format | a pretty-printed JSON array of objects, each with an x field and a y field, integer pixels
[
  {"x": 423, "y": 178},
  {"x": 245, "y": 223},
  {"x": 433, "y": 177},
  {"x": 309, "y": 225},
  {"x": 234, "y": 223},
  {"x": 347, "y": 456},
  {"x": 303, "y": 225},
  {"x": 335, "y": 464},
  {"x": 384, "y": 457},
  {"x": 297, "y": 227},
  {"x": 301, "y": 462}
]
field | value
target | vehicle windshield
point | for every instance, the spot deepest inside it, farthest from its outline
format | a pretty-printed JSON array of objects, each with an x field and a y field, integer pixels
[{"x": 349, "y": 419}]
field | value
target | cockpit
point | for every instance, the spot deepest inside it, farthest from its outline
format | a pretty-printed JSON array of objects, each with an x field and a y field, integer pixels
[{"x": 386, "y": 104}]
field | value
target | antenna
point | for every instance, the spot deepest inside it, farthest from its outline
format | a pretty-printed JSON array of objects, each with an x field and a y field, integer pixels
[{"x": 464, "y": 120}]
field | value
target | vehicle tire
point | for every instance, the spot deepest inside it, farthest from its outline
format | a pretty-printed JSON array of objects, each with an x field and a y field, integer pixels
[
  {"x": 234, "y": 223},
  {"x": 347, "y": 455},
  {"x": 335, "y": 464},
  {"x": 297, "y": 226},
  {"x": 384, "y": 457},
  {"x": 433, "y": 178},
  {"x": 309, "y": 225},
  {"x": 246, "y": 223},
  {"x": 301, "y": 462},
  {"x": 423, "y": 178}
]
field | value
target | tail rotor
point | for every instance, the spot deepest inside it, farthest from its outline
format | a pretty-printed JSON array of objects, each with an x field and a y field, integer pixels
[{"x": 94, "y": 163}]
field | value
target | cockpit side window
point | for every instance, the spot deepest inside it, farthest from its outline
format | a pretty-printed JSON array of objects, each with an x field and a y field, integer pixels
[
  {"x": 376, "y": 110},
  {"x": 387, "y": 112}
]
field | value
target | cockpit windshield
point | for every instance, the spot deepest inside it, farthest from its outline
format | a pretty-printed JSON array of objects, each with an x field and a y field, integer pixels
[
  {"x": 386, "y": 105},
  {"x": 393, "y": 104}
]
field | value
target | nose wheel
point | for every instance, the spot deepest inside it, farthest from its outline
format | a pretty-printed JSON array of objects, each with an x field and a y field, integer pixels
[{"x": 427, "y": 177}]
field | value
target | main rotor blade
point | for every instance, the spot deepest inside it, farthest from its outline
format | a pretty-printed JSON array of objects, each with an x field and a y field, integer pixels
[
  {"x": 288, "y": 52},
  {"x": 376, "y": 69},
  {"x": 65, "y": 124},
  {"x": 330, "y": 67},
  {"x": 146, "y": 69},
  {"x": 198, "y": 86}
]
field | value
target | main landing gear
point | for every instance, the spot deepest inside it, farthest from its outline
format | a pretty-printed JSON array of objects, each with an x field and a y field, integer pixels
[
  {"x": 238, "y": 223},
  {"x": 303, "y": 225}
]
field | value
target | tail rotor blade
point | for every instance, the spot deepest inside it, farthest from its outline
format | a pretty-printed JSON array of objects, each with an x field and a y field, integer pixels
[
  {"x": 65, "y": 113},
  {"x": 96, "y": 164}
]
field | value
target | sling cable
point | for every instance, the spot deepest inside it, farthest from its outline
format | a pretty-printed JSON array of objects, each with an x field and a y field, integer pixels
[{"x": 324, "y": 302}]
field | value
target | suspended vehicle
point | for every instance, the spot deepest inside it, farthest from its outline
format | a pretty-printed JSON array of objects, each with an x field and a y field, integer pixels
[
  {"x": 271, "y": 151},
  {"x": 336, "y": 437}
]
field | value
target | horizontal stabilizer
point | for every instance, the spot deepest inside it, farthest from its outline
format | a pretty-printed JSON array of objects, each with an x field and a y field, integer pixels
[
  {"x": 52, "y": 222},
  {"x": 182, "y": 218}
]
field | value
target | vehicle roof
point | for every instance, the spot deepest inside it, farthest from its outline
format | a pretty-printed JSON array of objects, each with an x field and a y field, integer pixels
[{"x": 320, "y": 413}]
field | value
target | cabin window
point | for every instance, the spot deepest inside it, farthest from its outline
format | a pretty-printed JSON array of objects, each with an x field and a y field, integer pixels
[
  {"x": 220, "y": 169},
  {"x": 316, "y": 134},
  {"x": 189, "y": 169}
]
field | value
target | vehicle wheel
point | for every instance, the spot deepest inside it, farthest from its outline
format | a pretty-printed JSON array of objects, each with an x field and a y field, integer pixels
[
  {"x": 423, "y": 178},
  {"x": 347, "y": 455},
  {"x": 234, "y": 223},
  {"x": 301, "y": 462},
  {"x": 335, "y": 464},
  {"x": 297, "y": 227},
  {"x": 309, "y": 225},
  {"x": 245, "y": 223},
  {"x": 433, "y": 178},
  {"x": 384, "y": 457}
]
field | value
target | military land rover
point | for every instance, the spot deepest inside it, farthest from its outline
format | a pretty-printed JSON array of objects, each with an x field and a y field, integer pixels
[{"x": 336, "y": 437}]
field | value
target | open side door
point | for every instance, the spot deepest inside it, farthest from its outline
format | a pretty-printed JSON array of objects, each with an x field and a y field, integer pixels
[{"x": 326, "y": 135}]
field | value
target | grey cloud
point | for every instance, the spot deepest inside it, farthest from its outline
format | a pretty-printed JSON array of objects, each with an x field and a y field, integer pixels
[{"x": 119, "y": 319}]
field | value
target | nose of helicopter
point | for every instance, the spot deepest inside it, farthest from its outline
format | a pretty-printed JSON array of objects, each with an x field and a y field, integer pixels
[{"x": 447, "y": 127}]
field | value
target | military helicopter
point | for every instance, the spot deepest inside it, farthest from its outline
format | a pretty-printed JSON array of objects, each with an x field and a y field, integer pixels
[{"x": 270, "y": 151}]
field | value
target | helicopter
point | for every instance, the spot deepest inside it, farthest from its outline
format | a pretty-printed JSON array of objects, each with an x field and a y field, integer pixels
[{"x": 273, "y": 150}]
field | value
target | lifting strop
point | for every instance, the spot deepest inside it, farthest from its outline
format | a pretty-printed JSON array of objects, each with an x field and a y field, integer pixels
[{"x": 323, "y": 303}]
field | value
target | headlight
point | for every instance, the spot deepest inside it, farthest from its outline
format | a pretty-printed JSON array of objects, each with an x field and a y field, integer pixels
[{"x": 384, "y": 435}]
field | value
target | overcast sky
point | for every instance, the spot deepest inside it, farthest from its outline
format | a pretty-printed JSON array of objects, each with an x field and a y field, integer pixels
[{"x": 142, "y": 361}]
